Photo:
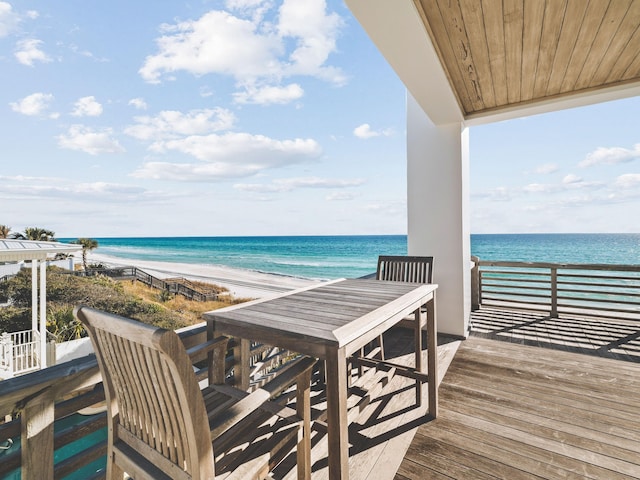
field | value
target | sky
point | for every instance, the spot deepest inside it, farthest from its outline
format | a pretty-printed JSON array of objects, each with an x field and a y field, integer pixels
[{"x": 252, "y": 117}]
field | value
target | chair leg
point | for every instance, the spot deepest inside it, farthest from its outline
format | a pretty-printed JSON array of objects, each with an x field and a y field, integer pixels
[{"x": 381, "y": 342}]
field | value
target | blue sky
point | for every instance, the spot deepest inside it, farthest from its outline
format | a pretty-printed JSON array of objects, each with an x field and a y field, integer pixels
[{"x": 248, "y": 117}]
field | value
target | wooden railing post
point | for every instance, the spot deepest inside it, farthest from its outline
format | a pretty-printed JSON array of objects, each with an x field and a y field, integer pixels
[
  {"x": 37, "y": 436},
  {"x": 475, "y": 284},
  {"x": 554, "y": 293}
]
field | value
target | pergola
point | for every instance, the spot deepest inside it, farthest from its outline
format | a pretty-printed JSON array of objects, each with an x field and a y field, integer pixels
[
  {"x": 36, "y": 252},
  {"x": 470, "y": 62}
]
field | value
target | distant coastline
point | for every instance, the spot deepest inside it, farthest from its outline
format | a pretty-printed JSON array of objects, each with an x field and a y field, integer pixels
[{"x": 329, "y": 257}]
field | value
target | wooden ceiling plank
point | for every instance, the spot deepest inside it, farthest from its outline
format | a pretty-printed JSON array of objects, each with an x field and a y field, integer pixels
[
  {"x": 552, "y": 25},
  {"x": 513, "y": 11},
  {"x": 626, "y": 58},
  {"x": 609, "y": 26},
  {"x": 532, "y": 31},
  {"x": 494, "y": 24},
  {"x": 622, "y": 39},
  {"x": 434, "y": 24},
  {"x": 476, "y": 32},
  {"x": 572, "y": 23},
  {"x": 633, "y": 71},
  {"x": 456, "y": 31},
  {"x": 591, "y": 24}
]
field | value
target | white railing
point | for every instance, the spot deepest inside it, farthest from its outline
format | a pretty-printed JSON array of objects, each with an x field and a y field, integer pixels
[
  {"x": 6, "y": 356},
  {"x": 19, "y": 352}
]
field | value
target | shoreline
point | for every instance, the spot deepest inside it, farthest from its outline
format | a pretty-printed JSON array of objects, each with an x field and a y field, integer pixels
[{"x": 240, "y": 283}]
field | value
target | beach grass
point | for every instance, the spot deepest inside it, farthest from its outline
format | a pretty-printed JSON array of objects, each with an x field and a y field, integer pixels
[{"x": 191, "y": 311}]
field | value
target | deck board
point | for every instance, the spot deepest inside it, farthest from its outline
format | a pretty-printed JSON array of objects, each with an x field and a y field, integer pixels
[
  {"x": 511, "y": 410},
  {"x": 384, "y": 430},
  {"x": 524, "y": 397}
]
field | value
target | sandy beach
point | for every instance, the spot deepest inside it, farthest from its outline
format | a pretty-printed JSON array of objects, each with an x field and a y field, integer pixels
[{"x": 241, "y": 283}]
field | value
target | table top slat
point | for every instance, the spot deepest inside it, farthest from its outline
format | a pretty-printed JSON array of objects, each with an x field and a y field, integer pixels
[{"x": 332, "y": 314}]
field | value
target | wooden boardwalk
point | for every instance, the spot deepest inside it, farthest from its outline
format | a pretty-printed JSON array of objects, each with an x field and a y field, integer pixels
[{"x": 516, "y": 411}]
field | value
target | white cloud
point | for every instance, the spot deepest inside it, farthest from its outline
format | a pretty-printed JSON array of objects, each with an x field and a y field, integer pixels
[
  {"x": 289, "y": 184},
  {"x": 8, "y": 19},
  {"x": 364, "y": 131},
  {"x": 258, "y": 52},
  {"x": 628, "y": 180},
  {"x": 217, "y": 42},
  {"x": 569, "y": 182},
  {"x": 269, "y": 94},
  {"x": 315, "y": 33},
  {"x": 571, "y": 179},
  {"x": 171, "y": 124},
  {"x": 547, "y": 168},
  {"x": 28, "y": 51},
  {"x": 541, "y": 188},
  {"x": 87, "y": 107},
  {"x": 138, "y": 103},
  {"x": 232, "y": 155},
  {"x": 54, "y": 187},
  {"x": 34, "y": 104},
  {"x": 611, "y": 156},
  {"x": 340, "y": 196},
  {"x": 89, "y": 140},
  {"x": 396, "y": 209}
]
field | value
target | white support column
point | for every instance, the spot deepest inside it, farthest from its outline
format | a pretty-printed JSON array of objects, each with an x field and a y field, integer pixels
[
  {"x": 34, "y": 295},
  {"x": 438, "y": 211},
  {"x": 43, "y": 314}
]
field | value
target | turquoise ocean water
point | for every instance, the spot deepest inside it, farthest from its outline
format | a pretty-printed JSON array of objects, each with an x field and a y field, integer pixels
[{"x": 328, "y": 257}]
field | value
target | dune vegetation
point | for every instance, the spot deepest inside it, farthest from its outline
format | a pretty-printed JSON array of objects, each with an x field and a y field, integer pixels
[{"x": 122, "y": 297}]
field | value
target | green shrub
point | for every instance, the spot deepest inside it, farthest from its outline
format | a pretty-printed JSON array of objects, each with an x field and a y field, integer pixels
[{"x": 65, "y": 291}]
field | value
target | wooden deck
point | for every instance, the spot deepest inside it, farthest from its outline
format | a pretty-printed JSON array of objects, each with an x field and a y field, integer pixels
[
  {"x": 611, "y": 337},
  {"x": 534, "y": 400},
  {"x": 381, "y": 431},
  {"x": 513, "y": 410}
]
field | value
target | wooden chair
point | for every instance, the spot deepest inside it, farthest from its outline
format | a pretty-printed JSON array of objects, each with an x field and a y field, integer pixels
[
  {"x": 398, "y": 268},
  {"x": 162, "y": 426}
]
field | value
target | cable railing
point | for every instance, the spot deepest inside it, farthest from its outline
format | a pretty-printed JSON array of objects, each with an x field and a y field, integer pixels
[{"x": 592, "y": 289}]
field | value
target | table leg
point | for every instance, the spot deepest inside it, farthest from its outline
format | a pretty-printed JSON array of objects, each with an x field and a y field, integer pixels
[
  {"x": 418, "y": 352},
  {"x": 337, "y": 423},
  {"x": 432, "y": 357}
]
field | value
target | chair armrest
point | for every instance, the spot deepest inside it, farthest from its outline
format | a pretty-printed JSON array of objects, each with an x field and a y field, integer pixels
[
  {"x": 197, "y": 352},
  {"x": 259, "y": 398},
  {"x": 290, "y": 375}
]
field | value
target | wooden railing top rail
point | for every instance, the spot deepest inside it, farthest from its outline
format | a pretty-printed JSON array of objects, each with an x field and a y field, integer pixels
[
  {"x": 52, "y": 394},
  {"x": 69, "y": 376}
]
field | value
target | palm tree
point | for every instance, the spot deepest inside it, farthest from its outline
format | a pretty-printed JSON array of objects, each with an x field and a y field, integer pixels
[
  {"x": 36, "y": 233},
  {"x": 88, "y": 244},
  {"x": 4, "y": 231}
]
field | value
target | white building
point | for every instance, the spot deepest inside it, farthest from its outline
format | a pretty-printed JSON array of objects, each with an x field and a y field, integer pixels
[{"x": 22, "y": 352}]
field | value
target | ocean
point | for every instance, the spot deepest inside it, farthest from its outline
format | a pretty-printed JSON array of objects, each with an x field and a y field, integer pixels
[{"x": 329, "y": 257}]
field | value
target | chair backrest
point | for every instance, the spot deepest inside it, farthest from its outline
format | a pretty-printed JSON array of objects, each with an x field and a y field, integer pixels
[
  {"x": 154, "y": 402},
  {"x": 405, "y": 269}
]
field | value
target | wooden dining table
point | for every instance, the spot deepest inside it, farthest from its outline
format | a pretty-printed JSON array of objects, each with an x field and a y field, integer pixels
[{"x": 331, "y": 321}]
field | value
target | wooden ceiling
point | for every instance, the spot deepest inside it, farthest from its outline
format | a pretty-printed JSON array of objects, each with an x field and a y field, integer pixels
[{"x": 503, "y": 53}]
